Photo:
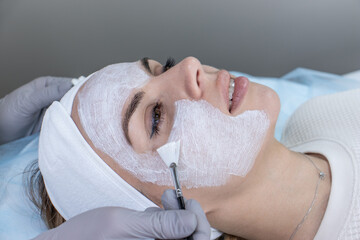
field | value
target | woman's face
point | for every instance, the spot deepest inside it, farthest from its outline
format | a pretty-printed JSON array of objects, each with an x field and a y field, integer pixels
[
  {"x": 150, "y": 124},
  {"x": 188, "y": 79}
]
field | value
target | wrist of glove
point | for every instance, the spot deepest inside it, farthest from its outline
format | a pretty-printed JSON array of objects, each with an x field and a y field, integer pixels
[
  {"x": 22, "y": 110},
  {"x": 120, "y": 223}
]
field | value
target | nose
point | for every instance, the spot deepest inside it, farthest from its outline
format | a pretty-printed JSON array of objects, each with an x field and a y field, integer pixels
[{"x": 192, "y": 74}]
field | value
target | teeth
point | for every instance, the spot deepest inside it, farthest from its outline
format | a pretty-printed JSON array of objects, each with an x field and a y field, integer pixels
[
  {"x": 231, "y": 88},
  {"x": 231, "y": 91}
]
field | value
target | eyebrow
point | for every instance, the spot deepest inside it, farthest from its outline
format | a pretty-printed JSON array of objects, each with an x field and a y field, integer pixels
[{"x": 135, "y": 101}]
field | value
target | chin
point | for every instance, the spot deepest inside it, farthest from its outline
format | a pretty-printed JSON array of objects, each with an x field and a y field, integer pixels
[{"x": 261, "y": 97}]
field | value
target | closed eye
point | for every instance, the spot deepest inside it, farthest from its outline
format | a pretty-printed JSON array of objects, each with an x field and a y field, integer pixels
[{"x": 170, "y": 62}]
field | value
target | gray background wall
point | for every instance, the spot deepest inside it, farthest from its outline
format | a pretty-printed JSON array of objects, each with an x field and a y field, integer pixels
[{"x": 260, "y": 37}]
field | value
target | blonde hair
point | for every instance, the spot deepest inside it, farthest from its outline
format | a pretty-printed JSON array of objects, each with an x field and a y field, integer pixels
[{"x": 40, "y": 198}]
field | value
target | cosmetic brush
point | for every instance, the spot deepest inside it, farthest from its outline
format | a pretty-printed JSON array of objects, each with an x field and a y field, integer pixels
[{"x": 170, "y": 153}]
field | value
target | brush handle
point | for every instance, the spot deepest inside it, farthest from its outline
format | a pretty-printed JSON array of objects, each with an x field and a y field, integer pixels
[
  {"x": 178, "y": 191},
  {"x": 181, "y": 202},
  {"x": 182, "y": 206}
]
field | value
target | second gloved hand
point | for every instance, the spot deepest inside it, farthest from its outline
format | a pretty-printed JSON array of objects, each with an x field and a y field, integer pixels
[
  {"x": 119, "y": 223},
  {"x": 21, "y": 111}
]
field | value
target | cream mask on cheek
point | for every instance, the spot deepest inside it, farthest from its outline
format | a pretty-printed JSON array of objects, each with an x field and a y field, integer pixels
[{"x": 214, "y": 146}]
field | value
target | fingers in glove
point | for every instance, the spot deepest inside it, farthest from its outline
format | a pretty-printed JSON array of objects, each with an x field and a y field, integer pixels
[
  {"x": 202, "y": 231},
  {"x": 153, "y": 209},
  {"x": 58, "y": 81},
  {"x": 203, "y": 227},
  {"x": 45, "y": 81},
  {"x": 167, "y": 224},
  {"x": 169, "y": 200},
  {"x": 50, "y": 94},
  {"x": 37, "y": 126}
]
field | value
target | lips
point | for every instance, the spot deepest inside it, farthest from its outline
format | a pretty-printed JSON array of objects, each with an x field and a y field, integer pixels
[
  {"x": 223, "y": 79},
  {"x": 240, "y": 89}
]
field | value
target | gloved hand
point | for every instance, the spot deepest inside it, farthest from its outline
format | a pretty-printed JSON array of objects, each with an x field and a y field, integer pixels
[
  {"x": 22, "y": 110},
  {"x": 120, "y": 223},
  {"x": 202, "y": 231}
]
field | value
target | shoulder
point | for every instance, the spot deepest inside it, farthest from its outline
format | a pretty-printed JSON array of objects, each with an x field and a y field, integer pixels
[
  {"x": 329, "y": 116},
  {"x": 330, "y": 125}
]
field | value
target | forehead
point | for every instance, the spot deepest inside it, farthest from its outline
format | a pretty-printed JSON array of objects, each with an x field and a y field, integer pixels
[
  {"x": 108, "y": 90},
  {"x": 129, "y": 74},
  {"x": 121, "y": 76}
]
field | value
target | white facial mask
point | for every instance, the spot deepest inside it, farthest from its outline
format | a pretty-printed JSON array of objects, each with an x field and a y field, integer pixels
[
  {"x": 214, "y": 146},
  {"x": 100, "y": 106}
]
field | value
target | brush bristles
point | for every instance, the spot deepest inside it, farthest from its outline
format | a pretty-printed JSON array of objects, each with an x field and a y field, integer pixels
[{"x": 169, "y": 152}]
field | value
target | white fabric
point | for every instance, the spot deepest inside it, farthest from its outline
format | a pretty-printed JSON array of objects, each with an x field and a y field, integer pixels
[{"x": 330, "y": 125}]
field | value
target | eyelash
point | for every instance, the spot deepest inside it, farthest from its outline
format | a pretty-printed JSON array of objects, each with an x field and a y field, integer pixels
[
  {"x": 157, "y": 118},
  {"x": 157, "y": 111},
  {"x": 170, "y": 62}
]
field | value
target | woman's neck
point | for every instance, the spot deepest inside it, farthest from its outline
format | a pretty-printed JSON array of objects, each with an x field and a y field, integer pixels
[{"x": 276, "y": 195}]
